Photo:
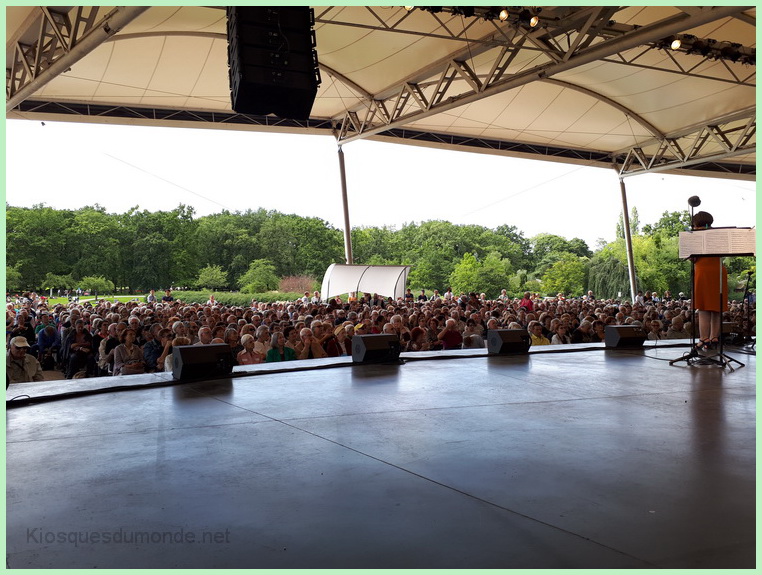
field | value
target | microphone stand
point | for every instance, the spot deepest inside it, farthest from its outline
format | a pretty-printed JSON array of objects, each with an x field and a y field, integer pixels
[
  {"x": 746, "y": 337},
  {"x": 693, "y": 355}
]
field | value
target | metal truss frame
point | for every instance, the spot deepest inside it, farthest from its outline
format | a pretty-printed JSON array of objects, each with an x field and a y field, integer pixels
[
  {"x": 735, "y": 135},
  {"x": 54, "y": 40},
  {"x": 568, "y": 37},
  {"x": 139, "y": 115},
  {"x": 56, "y": 35},
  {"x": 431, "y": 90}
]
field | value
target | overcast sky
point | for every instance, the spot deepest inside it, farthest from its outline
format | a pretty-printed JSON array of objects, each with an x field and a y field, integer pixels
[{"x": 70, "y": 165}]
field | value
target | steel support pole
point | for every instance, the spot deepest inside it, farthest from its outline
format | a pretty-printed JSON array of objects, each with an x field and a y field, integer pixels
[
  {"x": 628, "y": 240},
  {"x": 345, "y": 203}
]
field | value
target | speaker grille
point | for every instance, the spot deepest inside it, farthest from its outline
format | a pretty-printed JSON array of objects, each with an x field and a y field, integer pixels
[{"x": 273, "y": 61}]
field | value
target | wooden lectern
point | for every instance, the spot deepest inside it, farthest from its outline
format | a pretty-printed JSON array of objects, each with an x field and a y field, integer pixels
[{"x": 714, "y": 242}]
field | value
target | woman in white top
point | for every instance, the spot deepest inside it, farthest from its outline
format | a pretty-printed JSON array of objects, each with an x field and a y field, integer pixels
[
  {"x": 656, "y": 330},
  {"x": 168, "y": 365},
  {"x": 561, "y": 336}
]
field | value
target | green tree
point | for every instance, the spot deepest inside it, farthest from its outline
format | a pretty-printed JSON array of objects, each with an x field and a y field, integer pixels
[
  {"x": 13, "y": 279},
  {"x": 232, "y": 240},
  {"x": 212, "y": 277},
  {"x": 516, "y": 283},
  {"x": 492, "y": 275},
  {"x": 634, "y": 223},
  {"x": 670, "y": 224},
  {"x": 53, "y": 281},
  {"x": 608, "y": 275},
  {"x": 96, "y": 241},
  {"x": 463, "y": 277},
  {"x": 567, "y": 275},
  {"x": 373, "y": 243},
  {"x": 38, "y": 242},
  {"x": 259, "y": 278},
  {"x": 167, "y": 248},
  {"x": 96, "y": 284},
  {"x": 297, "y": 245},
  {"x": 519, "y": 249}
]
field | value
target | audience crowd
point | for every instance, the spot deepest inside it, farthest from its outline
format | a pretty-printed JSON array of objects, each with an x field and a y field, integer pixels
[{"x": 101, "y": 337}]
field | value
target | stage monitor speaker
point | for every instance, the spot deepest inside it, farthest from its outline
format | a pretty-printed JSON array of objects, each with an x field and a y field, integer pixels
[
  {"x": 508, "y": 341},
  {"x": 201, "y": 361},
  {"x": 273, "y": 65},
  {"x": 375, "y": 348},
  {"x": 625, "y": 336}
]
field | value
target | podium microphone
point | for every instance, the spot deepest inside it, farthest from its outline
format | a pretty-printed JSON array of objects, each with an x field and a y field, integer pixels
[{"x": 693, "y": 202}]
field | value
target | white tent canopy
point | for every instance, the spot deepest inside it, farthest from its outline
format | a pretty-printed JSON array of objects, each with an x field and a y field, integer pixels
[{"x": 383, "y": 280}]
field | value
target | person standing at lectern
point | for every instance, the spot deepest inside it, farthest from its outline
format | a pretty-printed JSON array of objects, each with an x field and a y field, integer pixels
[{"x": 706, "y": 290}]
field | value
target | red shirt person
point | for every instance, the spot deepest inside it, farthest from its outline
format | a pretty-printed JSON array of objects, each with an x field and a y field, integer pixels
[{"x": 527, "y": 302}]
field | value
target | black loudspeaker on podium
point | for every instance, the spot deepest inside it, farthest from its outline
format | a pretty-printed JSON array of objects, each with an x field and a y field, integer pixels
[
  {"x": 376, "y": 348},
  {"x": 625, "y": 336},
  {"x": 273, "y": 61},
  {"x": 201, "y": 361},
  {"x": 508, "y": 341}
]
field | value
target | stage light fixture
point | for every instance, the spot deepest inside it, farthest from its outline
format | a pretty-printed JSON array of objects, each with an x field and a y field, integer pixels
[
  {"x": 731, "y": 52},
  {"x": 503, "y": 15},
  {"x": 526, "y": 17},
  {"x": 676, "y": 43},
  {"x": 702, "y": 47},
  {"x": 409, "y": 8}
]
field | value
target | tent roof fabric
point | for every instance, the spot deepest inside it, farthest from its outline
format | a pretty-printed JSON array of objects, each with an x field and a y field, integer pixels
[
  {"x": 591, "y": 85},
  {"x": 383, "y": 280}
]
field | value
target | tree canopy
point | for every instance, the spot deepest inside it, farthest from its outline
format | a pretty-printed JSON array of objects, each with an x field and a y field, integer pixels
[{"x": 138, "y": 250}]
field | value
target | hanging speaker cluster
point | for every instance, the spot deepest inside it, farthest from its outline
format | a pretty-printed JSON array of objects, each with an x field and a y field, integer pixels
[{"x": 272, "y": 59}]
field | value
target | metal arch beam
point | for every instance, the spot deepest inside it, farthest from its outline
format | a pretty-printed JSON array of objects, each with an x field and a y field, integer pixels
[
  {"x": 638, "y": 37},
  {"x": 346, "y": 81},
  {"x": 606, "y": 100},
  {"x": 189, "y": 34},
  {"x": 114, "y": 21}
]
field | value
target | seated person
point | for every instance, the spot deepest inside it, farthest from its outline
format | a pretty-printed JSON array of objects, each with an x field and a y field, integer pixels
[
  {"x": 249, "y": 354},
  {"x": 48, "y": 344},
  {"x": 79, "y": 350},
  {"x": 279, "y": 351},
  {"x": 583, "y": 334},
  {"x": 535, "y": 334},
  {"x": 20, "y": 366},
  {"x": 677, "y": 329},
  {"x": 450, "y": 336}
]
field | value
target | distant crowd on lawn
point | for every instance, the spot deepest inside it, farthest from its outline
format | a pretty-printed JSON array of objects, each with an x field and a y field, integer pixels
[{"x": 100, "y": 338}]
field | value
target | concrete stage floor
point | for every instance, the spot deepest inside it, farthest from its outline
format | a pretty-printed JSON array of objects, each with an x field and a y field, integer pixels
[{"x": 586, "y": 459}]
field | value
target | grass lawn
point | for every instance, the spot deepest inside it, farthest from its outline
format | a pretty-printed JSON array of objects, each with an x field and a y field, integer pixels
[{"x": 62, "y": 300}]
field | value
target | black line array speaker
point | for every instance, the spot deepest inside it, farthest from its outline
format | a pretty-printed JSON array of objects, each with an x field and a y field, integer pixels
[
  {"x": 272, "y": 60},
  {"x": 625, "y": 336},
  {"x": 201, "y": 361},
  {"x": 375, "y": 348},
  {"x": 508, "y": 341}
]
